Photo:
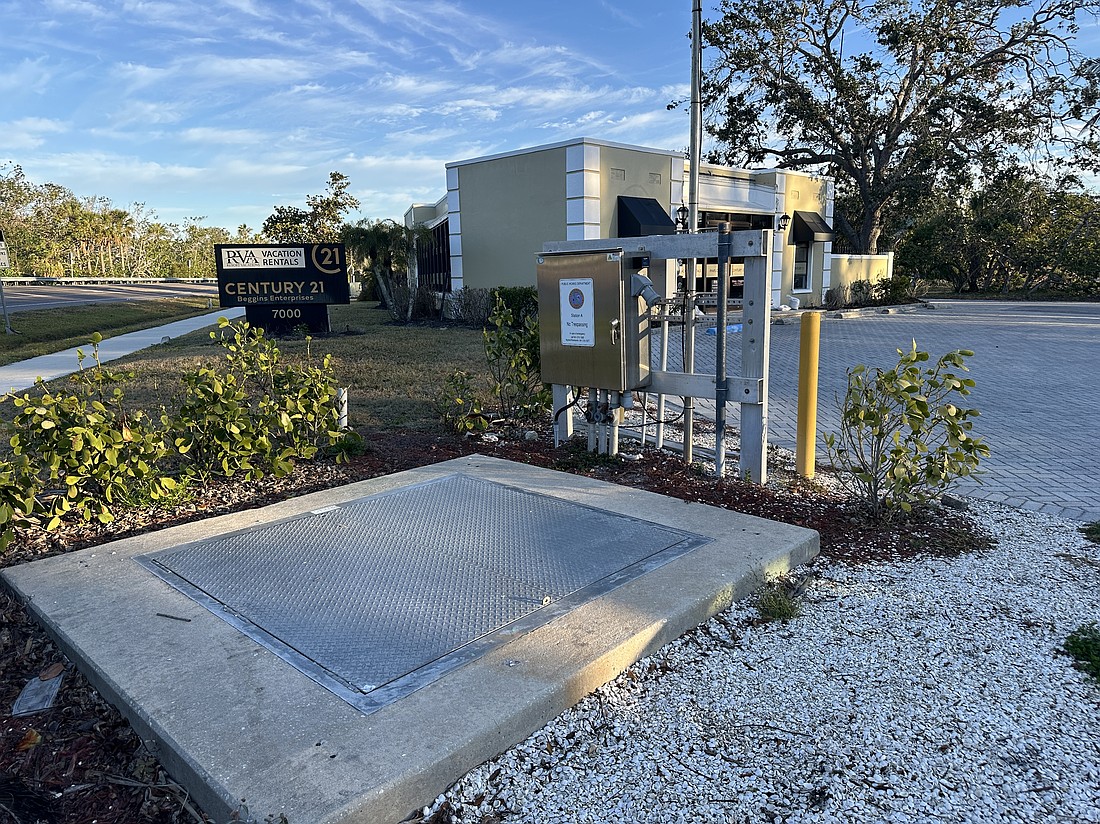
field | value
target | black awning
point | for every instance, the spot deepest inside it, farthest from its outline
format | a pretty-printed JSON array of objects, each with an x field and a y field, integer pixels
[
  {"x": 810, "y": 227},
  {"x": 641, "y": 216}
]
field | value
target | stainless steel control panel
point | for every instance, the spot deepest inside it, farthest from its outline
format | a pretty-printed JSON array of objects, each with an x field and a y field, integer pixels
[{"x": 593, "y": 332}]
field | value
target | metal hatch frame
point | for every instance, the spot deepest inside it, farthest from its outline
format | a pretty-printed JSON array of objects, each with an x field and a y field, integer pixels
[{"x": 368, "y": 700}]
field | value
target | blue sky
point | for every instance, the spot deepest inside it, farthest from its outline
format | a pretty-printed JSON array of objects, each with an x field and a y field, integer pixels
[{"x": 226, "y": 108}]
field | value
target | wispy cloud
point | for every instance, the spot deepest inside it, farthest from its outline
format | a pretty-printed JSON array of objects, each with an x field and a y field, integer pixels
[
  {"x": 632, "y": 21},
  {"x": 77, "y": 8},
  {"x": 139, "y": 76},
  {"x": 233, "y": 70},
  {"x": 553, "y": 61},
  {"x": 252, "y": 8},
  {"x": 28, "y": 132},
  {"x": 209, "y": 106},
  {"x": 87, "y": 172},
  {"x": 267, "y": 169},
  {"x": 28, "y": 75},
  {"x": 394, "y": 164},
  {"x": 446, "y": 21},
  {"x": 416, "y": 138},
  {"x": 146, "y": 113},
  {"x": 216, "y": 136}
]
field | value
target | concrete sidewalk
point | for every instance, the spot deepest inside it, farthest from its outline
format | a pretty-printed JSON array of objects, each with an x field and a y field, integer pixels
[{"x": 20, "y": 376}]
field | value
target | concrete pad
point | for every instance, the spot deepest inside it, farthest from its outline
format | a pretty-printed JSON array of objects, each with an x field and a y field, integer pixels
[{"x": 231, "y": 721}]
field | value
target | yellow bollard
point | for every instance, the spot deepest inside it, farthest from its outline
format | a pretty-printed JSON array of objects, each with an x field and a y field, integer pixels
[{"x": 805, "y": 454}]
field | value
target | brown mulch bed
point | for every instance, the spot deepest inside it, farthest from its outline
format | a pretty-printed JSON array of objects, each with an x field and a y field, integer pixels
[{"x": 80, "y": 761}]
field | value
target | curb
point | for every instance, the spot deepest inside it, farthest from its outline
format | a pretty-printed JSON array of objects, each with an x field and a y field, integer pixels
[{"x": 783, "y": 318}]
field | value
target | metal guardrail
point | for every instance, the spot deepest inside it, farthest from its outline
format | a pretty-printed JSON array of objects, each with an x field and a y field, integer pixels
[{"x": 41, "y": 281}]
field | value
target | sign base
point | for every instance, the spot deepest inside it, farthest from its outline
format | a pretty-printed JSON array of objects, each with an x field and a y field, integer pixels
[{"x": 289, "y": 318}]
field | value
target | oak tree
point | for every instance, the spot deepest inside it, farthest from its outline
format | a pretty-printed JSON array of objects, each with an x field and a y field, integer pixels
[
  {"x": 322, "y": 220},
  {"x": 897, "y": 99}
]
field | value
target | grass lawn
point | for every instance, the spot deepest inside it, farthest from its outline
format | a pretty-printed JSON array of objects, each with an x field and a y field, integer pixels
[
  {"x": 44, "y": 331},
  {"x": 393, "y": 373}
]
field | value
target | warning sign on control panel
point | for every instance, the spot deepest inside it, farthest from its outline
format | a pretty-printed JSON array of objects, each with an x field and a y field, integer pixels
[{"x": 578, "y": 317}]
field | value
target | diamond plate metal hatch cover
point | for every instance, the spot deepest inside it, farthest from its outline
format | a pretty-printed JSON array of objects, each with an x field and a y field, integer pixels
[{"x": 379, "y": 596}]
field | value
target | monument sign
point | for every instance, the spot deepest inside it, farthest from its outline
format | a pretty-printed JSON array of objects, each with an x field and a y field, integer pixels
[{"x": 283, "y": 287}]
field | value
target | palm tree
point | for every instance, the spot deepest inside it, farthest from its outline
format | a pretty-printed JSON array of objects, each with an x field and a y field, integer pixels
[{"x": 388, "y": 249}]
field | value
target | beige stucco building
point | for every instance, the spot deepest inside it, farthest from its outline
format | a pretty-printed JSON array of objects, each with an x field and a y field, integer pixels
[{"x": 499, "y": 210}]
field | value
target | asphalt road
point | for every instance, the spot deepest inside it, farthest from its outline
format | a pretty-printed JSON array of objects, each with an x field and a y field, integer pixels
[{"x": 25, "y": 298}]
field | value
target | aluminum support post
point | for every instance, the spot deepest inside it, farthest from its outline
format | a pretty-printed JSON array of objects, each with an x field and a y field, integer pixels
[
  {"x": 696, "y": 151},
  {"x": 659, "y": 440},
  {"x": 721, "y": 388},
  {"x": 563, "y": 413},
  {"x": 689, "y": 356},
  {"x": 755, "y": 343}
]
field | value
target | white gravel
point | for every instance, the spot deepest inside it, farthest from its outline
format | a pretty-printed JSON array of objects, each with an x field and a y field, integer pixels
[{"x": 921, "y": 691}]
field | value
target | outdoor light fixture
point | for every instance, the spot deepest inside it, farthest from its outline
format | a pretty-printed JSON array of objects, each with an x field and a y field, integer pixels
[
  {"x": 682, "y": 218},
  {"x": 783, "y": 222}
]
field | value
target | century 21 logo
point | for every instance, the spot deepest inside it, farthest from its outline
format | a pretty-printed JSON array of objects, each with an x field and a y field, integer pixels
[{"x": 327, "y": 259}]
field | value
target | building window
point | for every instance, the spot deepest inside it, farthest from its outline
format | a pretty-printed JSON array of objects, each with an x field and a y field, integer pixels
[
  {"x": 801, "y": 267},
  {"x": 709, "y": 219},
  {"x": 433, "y": 260}
]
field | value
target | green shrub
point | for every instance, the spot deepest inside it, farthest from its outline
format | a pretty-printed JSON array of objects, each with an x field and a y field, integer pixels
[
  {"x": 458, "y": 405},
  {"x": 512, "y": 351},
  {"x": 903, "y": 439},
  {"x": 213, "y": 428},
  {"x": 18, "y": 502},
  {"x": 1083, "y": 645},
  {"x": 300, "y": 411},
  {"x": 1091, "y": 531},
  {"x": 836, "y": 298},
  {"x": 521, "y": 302},
  {"x": 250, "y": 415},
  {"x": 349, "y": 444},
  {"x": 893, "y": 291},
  {"x": 88, "y": 445},
  {"x": 472, "y": 306},
  {"x": 918, "y": 288},
  {"x": 84, "y": 452},
  {"x": 515, "y": 382},
  {"x": 860, "y": 293}
]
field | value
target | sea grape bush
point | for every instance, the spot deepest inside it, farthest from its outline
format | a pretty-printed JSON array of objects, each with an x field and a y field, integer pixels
[
  {"x": 85, "y": 446},
  {"x": 904, "y": 436},
  {"x": 515, "y": 369},
  {"x": 249, "y": 415},
  {"x": 83, "y": 452}
]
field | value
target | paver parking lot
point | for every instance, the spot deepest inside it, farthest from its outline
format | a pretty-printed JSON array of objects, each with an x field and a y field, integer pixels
[{"x": 1035, "y": 366}]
